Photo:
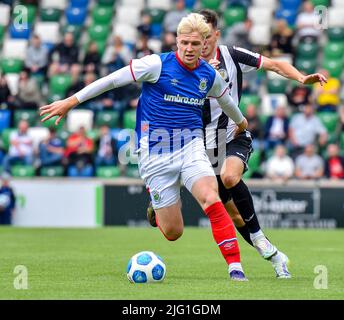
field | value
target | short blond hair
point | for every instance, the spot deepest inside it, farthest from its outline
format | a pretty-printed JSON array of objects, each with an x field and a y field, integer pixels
[{"x": 193, "y": 22}]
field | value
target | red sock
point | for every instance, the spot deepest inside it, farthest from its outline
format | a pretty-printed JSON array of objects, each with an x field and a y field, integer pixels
[{"x": 223, "y": 232}]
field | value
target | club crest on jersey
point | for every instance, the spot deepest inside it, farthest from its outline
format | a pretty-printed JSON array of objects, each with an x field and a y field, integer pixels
[
  {"x": 203, "y": 84},
  {"x": 223, "y": 73},
  {"x": 156, "y": 196}
]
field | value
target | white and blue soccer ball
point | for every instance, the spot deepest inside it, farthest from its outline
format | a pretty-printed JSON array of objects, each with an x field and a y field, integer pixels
[{"x": 146, "y": 267}]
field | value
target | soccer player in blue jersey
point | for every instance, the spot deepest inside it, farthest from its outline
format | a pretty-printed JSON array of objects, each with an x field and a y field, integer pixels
[{"x": 170, "y": 132}]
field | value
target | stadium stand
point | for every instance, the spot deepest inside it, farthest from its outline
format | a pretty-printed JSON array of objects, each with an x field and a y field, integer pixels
[{"x": 124, "y": 29}]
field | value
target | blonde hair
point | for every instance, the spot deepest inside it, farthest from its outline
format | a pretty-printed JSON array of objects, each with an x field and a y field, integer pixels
[{"x": 193, "y": 22}]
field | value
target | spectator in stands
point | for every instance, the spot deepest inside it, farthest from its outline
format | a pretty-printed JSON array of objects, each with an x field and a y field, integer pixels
[
  {"x": 29, "y": 94},
  {"x": 64, "y": 55},
  {"x": 37, "y": 56},
  {"x": 117, "y": 51},
  {"x": 143, "y": 49},
  {"x": 238, "y": 35},
  {"x": 169, "y": 42},
  {"x": 309, "y": 165},
  {"x": 7, "y": 200},
  {"x": 281, "y": 40},
  {"x": 145, "y": 27},
  {"x": 299, "y": 96},
  {"x": 254, "y": 125},
  {"x": 5, "y": 94},
  {"x": 92, "y": 59},
  {"x": 327, "y": 96},
  {"x": 303, "y": 130},
  {"x": 173, "y": 17},
  {"x": 79, "y": 154},
  {"x": 306, "y": 23},
  {"x": 106, "y": 148},
  {"x": 276, "y": 128},
  {"x": 334, "y": 164},
  {"x": 51, "y": 150},
  {"x": 20, "y": 149},
  {"x": 280, "y": 166}
]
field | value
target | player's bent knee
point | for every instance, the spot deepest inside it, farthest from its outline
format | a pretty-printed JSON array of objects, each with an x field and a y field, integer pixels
[
  {"x": 173, "y": 234},
  {"x": 230, "y": 181}
]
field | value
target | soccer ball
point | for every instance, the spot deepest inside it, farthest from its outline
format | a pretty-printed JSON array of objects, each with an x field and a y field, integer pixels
[{"x": 145, "y": 267}]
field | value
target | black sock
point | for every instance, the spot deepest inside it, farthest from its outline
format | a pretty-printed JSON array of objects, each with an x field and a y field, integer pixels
[
  {"x": 245, "y": 233},
  {"x": 243, "y": 200}
]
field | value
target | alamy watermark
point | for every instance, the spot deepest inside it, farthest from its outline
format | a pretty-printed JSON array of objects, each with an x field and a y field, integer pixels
[
  {"x": 21, "y": 280},
  {"x": 321, "y": 280}
]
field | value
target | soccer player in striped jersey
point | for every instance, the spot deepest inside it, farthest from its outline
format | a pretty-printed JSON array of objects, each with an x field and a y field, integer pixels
[
  {"x": 169, "y": 129},
  {"x": 228, "y": 152}
]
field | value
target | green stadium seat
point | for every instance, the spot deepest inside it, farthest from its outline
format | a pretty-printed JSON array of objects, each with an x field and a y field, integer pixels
[
  {"x": 53, "y": 171},
  {"x": 157, "y": 15},
  {"x": 334, "y": 50},
  {"x": 307, "y": 50},
  {"x": 211, "y": 4},
  {"x": 101, "y": 46},
  {"x": 2, "y": 33},
  {"x": 52, "y": 97},
  {"x": 5, "y": 137},
  {"x": 330, "y": 120},
  {"x": 335, "y": 34},
  {"x": 107, "y": 3},
  {"x": 321, "y": 2},
  {"x": 63, "y": 135},
  {"x": 129, "y": 119},
  {"x": 60, "y": 83},
  {"x": 277, "y": 85},
  {"x": 334, "y": 67},
  {"x": 342, "y": 141},
  {"x": 98, "y": 32},
  {"x": 247, "y": 99},
  {"x": 74, "y": 29},
  {"x": 30, "y": 116},
  {"x": 263, "y": 118},
  {"x": 50, "y": 123},
  {"x": 101, "y": 15},
  {"x": 306, "y": 65},
  {"x": 31, "y": 13},
  {"x": 234, "y": 15},
  {"x": 93, "y": 134},
  {"x": 50, "y": 14},
  {"x": 132, "y": 171},
  {"x": 11, "y": 65},
  {"x": 108, "y": 172},
  {"x": 23, "y": 171},
  {"x": 254, "y": 161},
  {"x": 109, "y": 118}
]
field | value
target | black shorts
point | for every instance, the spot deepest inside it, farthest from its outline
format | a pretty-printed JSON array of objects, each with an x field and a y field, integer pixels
[{"x": 240, "y": 147}]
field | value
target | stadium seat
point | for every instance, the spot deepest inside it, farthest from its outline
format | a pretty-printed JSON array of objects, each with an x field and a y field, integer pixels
[
  {"x": 271, "y": 4},
  {"x": 342, "y": 141},
  {"x": 189, "y": 4},
  {"x": 49, "y": 32},
  {"x": 330, "y": 120},
  {"x": 76, "y": 16},
  {"x": 57, "y": 4},
  {"x": 108, "y": 172},
  {"x": 98, "y": 32},
  {"x": 50, "y": 123},
  {"x": 5, "y": 119},
  {"x": 15, "y": 48},
  {"x": 155, "y": 44},
  {"x": 63, "y": 135},
  {"x": 291, "y": 4},
  {"x": 286, "y": 14},
  {"x": 160, "y": 4},
  {"x": 337, "y": 3},
  {"x": 9, "y": 65},
  {"x": 277, "y": 85},
  {"x": 247, "y": 99},
  {"x": 50, "y": 15},
  {"x": 254, "y": 161},
  {"x": 19, "y": 32},
  {"x": 2, "y": 33},
  {"x": 307, "y": 50},
  {"x": 320, "y": 2},
  {"x": 60, "y": 83},
  {"x": 129, "y": 119},
  {"x": 335, "y": 17},
  {"x": 234, "y": 15},
  {"x": 137, "y": 3},
  {"x": 93, "y": 133},
  {"x": 127, "y": 32},
  {"x": 156, "y": 30},
  {"x": 335, "y": 34},
  {"x": 306, "y": 65},
  {"x": 79, "y": 118},
  {"x": 18, "y": 14},
  {"x": 74, "y": 29},
  {"x": 109, "y": 118},
  {"x": 334, "y": 67},
  {"x": 52, "y": 97},
  {"x": 334, "y": 50},
  {"x": 157, "y": 15},
  {"x": 211, "y": 4},
  {"x": 5, "y": 14},
  {"x": 38, "y": 134},
  {"x": 128, "y": 15},
  {"x": 53, "y": 171},
  {"x": 260, "y": 15},
  {"x": 13, "y": 82},
  {"x": 5, "y": 137},
  {"x": 101, "y": 15},
  {"x": 101, "y": 45},
  {"x": 108, "y": 3},
  {"x": 29, "y": 115},
  {"x": 23, "y": 171},
  {"x": 271, "y": 101},
  {"x": 260, "y": 34},
  {"x": 132, "y": 171},
  {"x": 79, "y": 3}
]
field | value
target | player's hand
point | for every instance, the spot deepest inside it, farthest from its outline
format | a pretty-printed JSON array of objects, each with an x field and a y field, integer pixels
[
  {"x": 242, "y": 126},
  {"x": 214, "y": 63},
  {"x": 58, "y": 108},
  {"x": 314, "y": 78}
]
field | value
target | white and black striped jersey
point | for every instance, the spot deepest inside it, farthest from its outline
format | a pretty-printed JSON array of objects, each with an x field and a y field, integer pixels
[{"x": 233, "y": 62}]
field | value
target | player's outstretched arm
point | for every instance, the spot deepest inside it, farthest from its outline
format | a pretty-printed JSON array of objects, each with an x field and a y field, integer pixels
[
  {"x": 286, "y": 70},
  {"x": 60, "y": 108}
]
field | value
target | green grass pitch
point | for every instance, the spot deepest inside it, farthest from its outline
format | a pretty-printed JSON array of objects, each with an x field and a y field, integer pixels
[{"x": 91, "y": 264}]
